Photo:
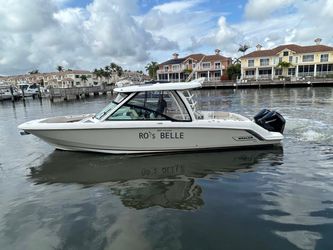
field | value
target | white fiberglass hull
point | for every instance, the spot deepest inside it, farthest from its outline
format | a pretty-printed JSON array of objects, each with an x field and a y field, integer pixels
[{"x": 151, "y": 136}]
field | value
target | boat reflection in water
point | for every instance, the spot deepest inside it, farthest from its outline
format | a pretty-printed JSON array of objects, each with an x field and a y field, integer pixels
[{"x": 143, "y": 181}]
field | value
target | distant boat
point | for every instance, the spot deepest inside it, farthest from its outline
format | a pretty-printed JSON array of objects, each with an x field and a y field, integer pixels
[
  {"x": 5, "y": 93},
  {"x": 29, "y": 89}
]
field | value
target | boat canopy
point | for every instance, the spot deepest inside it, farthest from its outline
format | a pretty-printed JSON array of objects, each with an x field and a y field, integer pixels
[{"x": 197, "y": 83}]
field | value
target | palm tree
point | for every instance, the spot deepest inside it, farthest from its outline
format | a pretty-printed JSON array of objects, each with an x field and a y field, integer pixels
[
  {"x": 60, "y": 68},
  {"x": 35, "y": 71},
  {"x": 99, "y": 73},
  {"x": 115, "y": 68},
  {"x": 243, "y": 48},
  {"x": 83, "y": 78},
  {"x": 284, "y": 65},
  {"x": 236, "y": 60},
  {"x": 152, "y": 68},
  {"x": 106, "y": 73}
]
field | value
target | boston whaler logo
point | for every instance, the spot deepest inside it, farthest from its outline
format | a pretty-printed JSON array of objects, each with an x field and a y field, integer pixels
[
  {"x": 163, "y": 134},
  {"x": 244, "y": 138}
]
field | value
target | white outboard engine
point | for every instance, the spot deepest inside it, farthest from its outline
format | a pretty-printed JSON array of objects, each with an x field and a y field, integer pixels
[{"x": 270, "y": 120}]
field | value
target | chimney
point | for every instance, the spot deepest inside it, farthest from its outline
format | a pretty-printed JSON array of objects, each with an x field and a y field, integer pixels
[
  {"x": 175, "y": 55},
  {"x": 258, "y": 47},
  {"x": 217, "y": 51},
  {"x": 318, "y": 41}
]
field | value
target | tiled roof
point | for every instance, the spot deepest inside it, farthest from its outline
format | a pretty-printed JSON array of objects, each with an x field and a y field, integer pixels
[
  {"x": 196, "y": 57},
  {"x": 173, "y": 61},
  {"x": 216, "y": 58},
  {"x": 294, "y": 47}
]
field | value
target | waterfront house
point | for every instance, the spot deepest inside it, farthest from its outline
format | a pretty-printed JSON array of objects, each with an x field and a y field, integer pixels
[
  {"x": 212, "y": 67},
  {"x": 62, "y": 79},
  {"x": 304, "y": 61}
]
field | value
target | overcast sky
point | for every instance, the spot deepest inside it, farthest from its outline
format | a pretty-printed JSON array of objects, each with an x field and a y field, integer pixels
[{"x": 86, "y": 34}]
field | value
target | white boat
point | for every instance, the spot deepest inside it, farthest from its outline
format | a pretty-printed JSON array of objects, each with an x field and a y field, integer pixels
[
  {"x": 30, "y": 89},
  {"x": 6, "y": 92},
  {"x": 157, "y": 118}
]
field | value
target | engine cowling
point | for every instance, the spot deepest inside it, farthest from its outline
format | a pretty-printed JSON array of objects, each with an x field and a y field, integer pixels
[{"x": 270, "y": 120}]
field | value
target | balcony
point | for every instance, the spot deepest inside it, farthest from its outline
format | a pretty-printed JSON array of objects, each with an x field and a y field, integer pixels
[
  {"x": 265, "y": 76},
  {"x": 197, "y": 68}
]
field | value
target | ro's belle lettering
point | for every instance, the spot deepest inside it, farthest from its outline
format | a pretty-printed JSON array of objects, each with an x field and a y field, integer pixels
[
  {"x": 172, "y": 135},
  {"x": 162, "y": 135}
]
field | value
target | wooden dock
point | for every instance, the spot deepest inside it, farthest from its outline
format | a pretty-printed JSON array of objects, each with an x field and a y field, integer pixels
[
  {"x": 64, "y": 94},
  {"x": 309, "y": 82}
]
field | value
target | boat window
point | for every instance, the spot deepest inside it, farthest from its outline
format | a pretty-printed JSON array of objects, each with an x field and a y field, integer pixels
[
  {"x": 119, "y": 98},
  {"x": 153, "y": 105}
]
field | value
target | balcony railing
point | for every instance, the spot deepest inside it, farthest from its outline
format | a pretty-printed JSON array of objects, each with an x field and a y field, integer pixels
[
  {"x": 183, "y": 67},
  {"x": 265, "y": 76},
  {"x": 305, "y": 74}
]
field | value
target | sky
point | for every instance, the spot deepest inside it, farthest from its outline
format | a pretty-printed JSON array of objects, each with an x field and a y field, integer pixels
[{"x": 88, "y": 34}]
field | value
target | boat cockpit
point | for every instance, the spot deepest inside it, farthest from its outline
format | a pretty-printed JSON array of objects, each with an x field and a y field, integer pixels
[{"x": 148, "y": 105}]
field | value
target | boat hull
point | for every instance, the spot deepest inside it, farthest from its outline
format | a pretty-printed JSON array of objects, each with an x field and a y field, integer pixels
[{"x": 157, "y": 138}]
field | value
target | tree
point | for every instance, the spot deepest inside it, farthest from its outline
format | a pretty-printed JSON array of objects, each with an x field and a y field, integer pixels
[
  {"x": 234, "y": 71},
  {"x": 243, "y": 48},
  {"x": 60, "y": 68},
  {"x": 116, "y": 69},
  {"x": 35, "y": 71},
  {"x": 284, "y": 65},
  {"x": 106, "y": 72},
  {"x": 84, "y": 78},
  {"x": 98, "y": 72},
  {"x": 236, "y": 60},
  {"x": 152, "y": 68}
]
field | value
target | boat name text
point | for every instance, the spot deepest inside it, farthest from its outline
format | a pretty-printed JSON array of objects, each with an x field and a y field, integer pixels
[{"x": 161, "y": 135}]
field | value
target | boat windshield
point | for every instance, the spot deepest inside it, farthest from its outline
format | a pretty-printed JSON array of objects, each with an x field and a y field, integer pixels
[
  {"x": 119, "y": 98},
  {"x": 152, "y": 105}
]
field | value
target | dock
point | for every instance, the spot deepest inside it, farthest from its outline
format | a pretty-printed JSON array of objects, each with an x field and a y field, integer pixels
[
  {"x": 307, "y": 82},
  {"x": 65, "y": 94}
]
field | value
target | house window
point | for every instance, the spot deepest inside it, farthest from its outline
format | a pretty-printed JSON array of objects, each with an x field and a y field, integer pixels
[
  {"x": 250, "y": 63},
  {"x": 264, "y": 62},
  {"x": 77, "y": 76},
  {"x": 77, "y": 83},
  {"x": 265, "y": 71},
  {"x": 324, "y": 58},
  {"x": 217, "y": 65},
  {"x": 280, "y": 59},
  {"x": 278, "y": 72},
  {"x": 175, "y": 67},
  {"x": 285, "y": 53},
  {"x": 290, "y": 59},
  {"x": 306, "y": 69},
  {"x": 193, "y": 65},
  {"x": 249, "y": 72},
  {"x": 296, "y": 59},
  {"x": 166, "y": 68},
  {"x": 308, "y": 58},
  {"x": 206, "y": 65},
  {"x": 291, "y": 72}
]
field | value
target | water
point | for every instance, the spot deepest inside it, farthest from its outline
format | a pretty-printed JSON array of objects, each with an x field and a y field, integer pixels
[{"x": 278, "y": 198}]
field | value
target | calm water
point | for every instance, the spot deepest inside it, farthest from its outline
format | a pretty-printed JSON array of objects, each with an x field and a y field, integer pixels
[{"x": 278, "y": 198}]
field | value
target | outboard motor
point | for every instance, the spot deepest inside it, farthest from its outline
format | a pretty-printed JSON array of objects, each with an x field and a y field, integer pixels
[{"x": 270, "y": 120}]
